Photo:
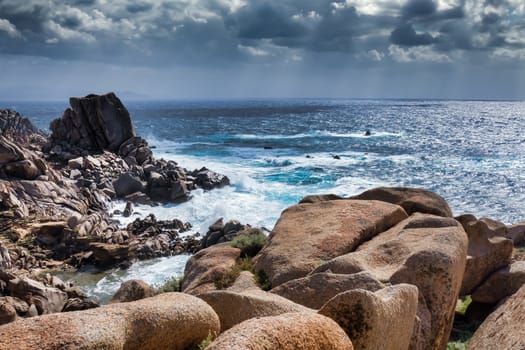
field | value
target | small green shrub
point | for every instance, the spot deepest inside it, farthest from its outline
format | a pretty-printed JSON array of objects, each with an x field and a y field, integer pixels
[
  {"x": 250, "y": 242},
  {"x": 463, "y": 306},
  {"x": 206, "y": 342},
  {"x": 262, "y": 280},
  {"x": 457, "y": 345},
  {"x": 226, "y": 280},
  {"x": 172, "y": 285}
]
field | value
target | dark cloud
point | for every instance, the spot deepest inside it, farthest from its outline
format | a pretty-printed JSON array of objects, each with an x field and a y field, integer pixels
[
  {"x": 223, "y": 32},
  {"x": 417, "y": 8},
  {"x": 139, "y": 7},
  {"x": 405, "y": 35}
]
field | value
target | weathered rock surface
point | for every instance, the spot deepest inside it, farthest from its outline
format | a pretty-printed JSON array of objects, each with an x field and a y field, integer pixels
[
  {"x": 207, "y": 266},
  {"x": 315, "y": 290},
  {"x": 487, "y": 250},
  {"x": 234, "y": 308},
  {"x": 132, "y": 290},
  {"x": 501, "y": 284},
  {"x": 245, "y": 281},
  {"x": 46, "y": 299},
  {"x": 167, "y": 321},
  {"x": 95, "y": 123},
  {"x": 319, "y": 198},
  {"x": 426, "y": 251},
  {"x": 413, "y": 200},
  {"x": 381, "y": 320},
  {"x": 219, "y": 232},
  {"x": 309, "y": 234},
  {"x": 503, "y": 329},
  {"x": 286, "y": 332}
]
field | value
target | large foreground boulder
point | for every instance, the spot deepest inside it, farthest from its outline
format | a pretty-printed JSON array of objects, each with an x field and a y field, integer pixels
[
  {"x": 503, "y": 329},
  {"x": 413, "y": 200},
  {"x": 315, "y": 290},
  {"x": 289, "y": 331},
  {"x": 309, "y": 234},
  {"x": 236, "y": 307},
  {"x": 381, "y": 320},
  {"x": 167, "y": 321},
  {"x": 426, "y": 251},
  {"x": 94, "y": 123}
]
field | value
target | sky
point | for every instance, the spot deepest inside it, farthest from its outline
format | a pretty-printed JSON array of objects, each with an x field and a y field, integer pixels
[{"x": 214, "y": 49}]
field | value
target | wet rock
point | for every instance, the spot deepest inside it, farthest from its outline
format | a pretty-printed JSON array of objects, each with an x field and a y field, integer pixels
[
  {"x": 128, "y": 210},
  {"x": 208, "y": 179},
  {"x": 127, "y": 184}
]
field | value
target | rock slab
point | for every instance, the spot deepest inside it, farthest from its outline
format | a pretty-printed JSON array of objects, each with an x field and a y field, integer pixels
[
  {"x": 167, "y": 321},
  {"x": 289, "y": 331},
  {"x": 308, "y": 234}
]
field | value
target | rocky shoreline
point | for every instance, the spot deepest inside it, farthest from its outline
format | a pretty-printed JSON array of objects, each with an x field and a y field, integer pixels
[{"x": 391, "y": 268}]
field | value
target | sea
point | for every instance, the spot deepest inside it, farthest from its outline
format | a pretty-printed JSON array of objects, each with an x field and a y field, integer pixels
[{"x": 276, "y": 151}]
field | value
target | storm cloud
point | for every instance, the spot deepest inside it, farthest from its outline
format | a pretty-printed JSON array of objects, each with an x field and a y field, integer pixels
[{"x": 298, "y": 34}]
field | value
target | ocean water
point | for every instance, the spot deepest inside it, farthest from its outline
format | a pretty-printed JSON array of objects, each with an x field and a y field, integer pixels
[{"x": 277, "y": 151}]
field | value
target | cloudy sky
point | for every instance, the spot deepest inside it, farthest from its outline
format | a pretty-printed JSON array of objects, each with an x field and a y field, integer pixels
[{"x": 51, "y": 49}]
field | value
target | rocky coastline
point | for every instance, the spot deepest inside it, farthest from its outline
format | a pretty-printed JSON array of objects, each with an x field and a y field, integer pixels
[{"x": 390, "y": 268}]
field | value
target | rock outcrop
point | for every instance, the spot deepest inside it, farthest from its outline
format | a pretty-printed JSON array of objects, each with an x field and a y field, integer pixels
[
  {"x": 286, "y": 332},
  {"x": 207, "y": 266},
  {"x": 503, "y": 329},
  {"x": 322, "y": 230},
  {"x": 488, "y": 250},
  {"x": 93, "y": 123},
  {"x": 132, "y": 290},
  {"x": 315, "y": 290},
  {"x": 501, "y": 284},
  {"x": 381, "y": 320},
  {"x": 413, "y": 200},
  {"x": 167, "y": 321},
  {"x": 236, "y": 307},
  {"x": 426, "y": 251}
]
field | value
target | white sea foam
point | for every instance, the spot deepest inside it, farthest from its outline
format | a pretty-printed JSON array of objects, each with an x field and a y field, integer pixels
[{"x": 316, "y": 133}]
